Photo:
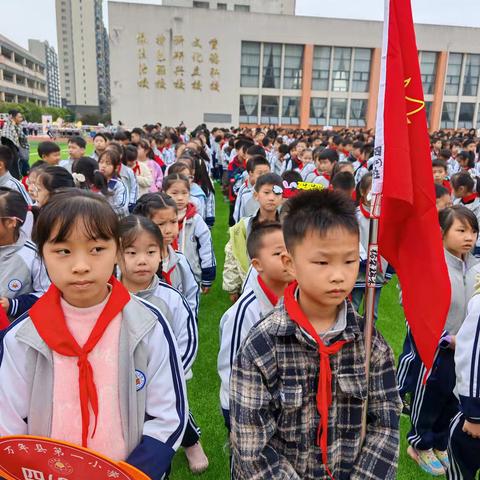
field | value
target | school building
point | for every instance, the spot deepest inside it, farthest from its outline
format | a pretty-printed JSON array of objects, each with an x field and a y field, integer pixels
[{"x": 205, "y": 63}]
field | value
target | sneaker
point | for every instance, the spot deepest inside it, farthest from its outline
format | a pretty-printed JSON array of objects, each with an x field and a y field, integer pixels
[
  {"x": 406, "y": 408},
  {"x": 442, "y": 455},
  {"x": 197, "y": 460},
  {"x": 427, "y": 461}
]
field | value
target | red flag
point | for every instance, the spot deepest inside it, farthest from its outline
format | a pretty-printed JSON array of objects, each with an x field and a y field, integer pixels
[
  {"x": 4, "y": 323},
  {"x": 409, "y": 232}
]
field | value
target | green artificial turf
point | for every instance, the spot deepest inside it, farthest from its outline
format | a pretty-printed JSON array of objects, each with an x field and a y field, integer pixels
[{"x": 203, "y": 389}]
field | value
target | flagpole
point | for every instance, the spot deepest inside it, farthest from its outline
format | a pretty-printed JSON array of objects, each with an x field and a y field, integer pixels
[{"x": 370, "y": 292}]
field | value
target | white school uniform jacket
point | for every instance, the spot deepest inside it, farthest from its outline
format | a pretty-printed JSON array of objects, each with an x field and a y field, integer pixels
[
  {"x": 467, "y": 362},
  {"x": 8, "y": 181},
  {"x": 235, "y": 324},
  {"x": 182, "y": 278},
  {"x": 118, "y": 197},
  {"x": 179, "y": 315},
  {"x": 461, "y": 287},
  {"x": 245, "y": 203},
  {"x": 129, "y": 180},
  {"x": 23, "y": 278},
  {"x": 210, "y": 209},
  {"x": 315, "y": 177},
  {"x": 66, "y": 164},
  {"x": 307, "y": 169},
  {"x": 152, "y": 390},
  {"x": 195, "y": 242}
]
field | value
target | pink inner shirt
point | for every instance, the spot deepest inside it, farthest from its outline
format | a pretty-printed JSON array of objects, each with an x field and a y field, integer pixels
[{"x": 67, "y": 417}]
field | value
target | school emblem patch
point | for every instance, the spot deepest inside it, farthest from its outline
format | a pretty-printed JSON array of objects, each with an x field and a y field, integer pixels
[
  {"x": 14, "y": 285},
  {"x": 140, "y": 379}
]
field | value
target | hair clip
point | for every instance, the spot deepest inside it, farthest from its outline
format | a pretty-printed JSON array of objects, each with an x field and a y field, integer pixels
[
  {"x": 277, "y": 189},
  {"x": 78, "y": 177}
]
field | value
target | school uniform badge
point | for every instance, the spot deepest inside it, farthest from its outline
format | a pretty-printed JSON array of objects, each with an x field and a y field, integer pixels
[
  {"x": 140, "y": 380},
  {"x": 14, "y": 285}
]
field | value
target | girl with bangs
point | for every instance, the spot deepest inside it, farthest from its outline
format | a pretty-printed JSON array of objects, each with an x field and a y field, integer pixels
[{"x": 91, "y": 364}]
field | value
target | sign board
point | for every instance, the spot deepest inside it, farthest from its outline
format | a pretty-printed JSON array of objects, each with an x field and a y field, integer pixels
[{"x": 25, "y": 457}]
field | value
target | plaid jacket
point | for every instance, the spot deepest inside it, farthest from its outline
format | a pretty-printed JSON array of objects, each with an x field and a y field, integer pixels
[{"x": 273, "y": 409}]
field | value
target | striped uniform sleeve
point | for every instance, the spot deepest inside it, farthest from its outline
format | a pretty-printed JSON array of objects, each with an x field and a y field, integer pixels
[
  {"x": 184, "y": 326},
  {"x": 238, "y": 205},
  {"x": 190, "y": 288},
  {"x": 133, "y": 190},
  {"x": 205, "y": 252},
  {"x": 166, "y": 403},
  {"x": 15, "y": 386},
  {"x": 120, "y": 198},
  {"x": 210, "y": 210},
  {"x": 467, "y": 362}
]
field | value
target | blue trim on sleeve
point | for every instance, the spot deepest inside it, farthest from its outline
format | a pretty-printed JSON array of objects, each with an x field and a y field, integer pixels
[{"x": 152, "y": 457}]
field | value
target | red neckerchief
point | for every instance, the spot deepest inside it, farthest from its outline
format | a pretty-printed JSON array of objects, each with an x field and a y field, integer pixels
[
  {"x": 167, "y": 276},
  {"x": 297, "y": 162},
  {"x": 272, "y": 298},
  {"x": 324, "y": 175},
  {"x": 354, "y": 195},
  {"x": 4, "y": 323},
  {"x": 191, "y": 211},
  {"x": 364, "y": 211},
  {"x": 49, "y": 320},
  {"x": 447, "y": 185},
  {"x": 136, "y": 169},
  {"x": 345, "y": 152},
  {"x": 469, "y": 198},
  {"x": 324, "y": 389}
]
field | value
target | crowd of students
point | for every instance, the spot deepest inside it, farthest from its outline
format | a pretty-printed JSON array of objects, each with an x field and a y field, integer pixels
[{"x": 104, "y": 257}]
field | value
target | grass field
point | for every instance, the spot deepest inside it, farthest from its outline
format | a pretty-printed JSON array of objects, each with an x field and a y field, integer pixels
[{"x": 204, "y": 387}]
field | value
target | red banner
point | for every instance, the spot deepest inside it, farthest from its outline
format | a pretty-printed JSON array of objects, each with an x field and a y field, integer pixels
[{"x": 36, "y": 458}]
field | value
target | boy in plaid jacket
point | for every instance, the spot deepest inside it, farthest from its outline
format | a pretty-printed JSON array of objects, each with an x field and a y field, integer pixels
[{"x": 298, "y": 383}]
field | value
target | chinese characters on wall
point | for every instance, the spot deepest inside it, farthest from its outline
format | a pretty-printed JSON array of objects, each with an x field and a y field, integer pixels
[{"x": 157, "y": 67}]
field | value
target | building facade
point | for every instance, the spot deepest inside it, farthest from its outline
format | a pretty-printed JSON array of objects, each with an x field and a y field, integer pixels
[
  {"x": 281, "y": 7},
  {"x": 83, "y": 54},
  {"x": 47, "y": 55},
  {"x": 22, "y": 75},
  {"x": 227, "y": 68}
]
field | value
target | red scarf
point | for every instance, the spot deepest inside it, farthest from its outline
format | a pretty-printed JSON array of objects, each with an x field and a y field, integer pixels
[
  {"x": 191, "y": 211},
  {"x": 469, "y": 198},
  {"x": 364, "y": 211},
  {"x": 447, "y": 185},
  {"x": 167, "y": 276},
  {"x": 4, "y": 323},
  {"x": 324, "y": 389},
  {"x": 324, "y": 175},
  {"x": 136, "y": 169},
  {"x": 49, "y": 320},
  {"x": 272, "y": 298}
]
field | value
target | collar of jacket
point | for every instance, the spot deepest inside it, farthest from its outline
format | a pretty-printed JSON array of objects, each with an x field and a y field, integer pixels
[
  {"x": 137, "y": 326},
  {"x": 283, "y": 327}
]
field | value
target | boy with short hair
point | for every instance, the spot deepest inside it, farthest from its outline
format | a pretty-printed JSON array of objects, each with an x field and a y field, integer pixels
[
  {"x": 440, "y": 173},
  {"x": 298, "y": 382},
  {"x": 245, "y": 204},
  {"x": 443, "y": 198},
  {"x": 324, "y": 162},
  {"x": 265, "y": 245},
  {"x": 49, "y": 152},
  {"x": 76, "y": 150},
  {"x": 100, "y": 143},
  {"x": 344, "y": 182},
  {"x": 235, "y": 172},
  {"x": 7, "y": 180}
]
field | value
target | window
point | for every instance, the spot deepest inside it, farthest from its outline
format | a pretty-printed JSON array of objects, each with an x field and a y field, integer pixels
[
  {"x": 465, "y": 116},
  {"x": 241, "y": 8},
  {"x": 470, "y": 78},
  {"x": 293, "y": 67},
  {"x": 221, "y": 6},
  {"x": 321, "y": 68},
  {"x": 290, "y": 110},
  {"x": 269, "y": 110},
  {"x": 361, "y": 70},
  {"x": 201, "y": 5},
  {"x": 358, "y": 113},
  {"x": 448, "y": 115},
  {"x": 338, "y": 111},
  {"x": 478, "y": 117},
  {"x": 248, "y": 109},
  {"x": 428, "y": 65},
  {"x": 318, "y": 111},
  {"x": 272, "y": 57},
  {"x": 341, "y": 69},
  {"x": 250, "y": 64},
  {"x": 452, "y": 80}
]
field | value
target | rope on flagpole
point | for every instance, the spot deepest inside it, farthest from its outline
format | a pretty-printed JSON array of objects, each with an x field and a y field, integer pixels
[{"x": 369, "y": 302}]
